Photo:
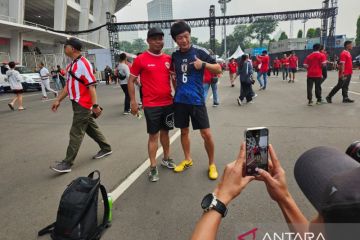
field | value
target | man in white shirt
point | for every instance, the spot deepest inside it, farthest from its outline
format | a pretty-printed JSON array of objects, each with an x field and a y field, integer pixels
[{"x": 45, "y": 82}]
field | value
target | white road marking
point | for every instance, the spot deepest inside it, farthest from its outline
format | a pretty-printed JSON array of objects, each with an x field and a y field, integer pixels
[
  {"x": 119, "y": 190},
  {"x": 356, "y": 93},
  {"x": 137, "y": 173}
]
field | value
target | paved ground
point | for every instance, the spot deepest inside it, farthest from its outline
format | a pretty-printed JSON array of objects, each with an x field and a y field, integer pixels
[{"x": 31, "y": 140}]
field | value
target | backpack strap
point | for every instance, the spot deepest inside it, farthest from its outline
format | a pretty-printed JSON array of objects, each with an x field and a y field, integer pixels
[
  {"x": 105, "y": 223},
  {"x": 46, "y": 230}
]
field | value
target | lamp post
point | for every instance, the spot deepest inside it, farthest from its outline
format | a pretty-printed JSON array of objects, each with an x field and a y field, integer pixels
[{"x": 223, "y": 10}]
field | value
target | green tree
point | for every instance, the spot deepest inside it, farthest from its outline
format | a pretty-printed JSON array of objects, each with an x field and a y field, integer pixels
[
  {"x": 283, "y": 36},
  {"x": 125, "y": 46},
  {"x": 357, "y": 41},
  {"x": 138, "y": 45},
  {"x": 262, "y": 29},
  {"x": 310, "y": 33},
  {"x": 300, "y": 34},
  {"x": 317, "y": 32},
  {"x": 194, "y": 40}
]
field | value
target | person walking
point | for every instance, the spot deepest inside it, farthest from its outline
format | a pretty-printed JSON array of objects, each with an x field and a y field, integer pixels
[
  {"x": 314, "y": 64},
  {"x": 81, "y": 89},
  {"x": 61, "y": 74},
  {"x": 124, "y": 74},
  {"x": 153, "y": 66},
  {"x": 45, "y": 81},
  {"x": 189, "y": 63},
  {"x": 276, "y": 66},
  {"x": 293, "y": 66},
  {"x": 211, "y": 80},
  {"x": 264, "y": 60},
  {"x": 14, "y": 78},
  {"x": 245, "y": 71},
  {"x": 345, "y": 73},
  {"x": 232, "y": 71},
  {"x": 285, "y": 67},
  {"x": 55, "y": 78}
]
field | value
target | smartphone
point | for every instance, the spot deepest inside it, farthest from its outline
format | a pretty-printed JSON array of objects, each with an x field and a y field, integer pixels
[{"x": 257, "y": 150}]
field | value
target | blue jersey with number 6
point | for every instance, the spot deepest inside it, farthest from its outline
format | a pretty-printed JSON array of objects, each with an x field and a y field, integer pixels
[{"x": 189, "y": 81}]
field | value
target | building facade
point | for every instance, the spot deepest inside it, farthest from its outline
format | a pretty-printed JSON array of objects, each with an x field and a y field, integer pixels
[
  {"x": 23, "y": 25},
  {"x": 162, "y": 10}
]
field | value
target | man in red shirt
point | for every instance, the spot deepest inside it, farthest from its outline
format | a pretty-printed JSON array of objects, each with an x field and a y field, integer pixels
[
  {"x": 264, "y": 60},
  {"x": 285, "y": 67},
  {"x": 80, "y": 87},
  {"x": 314, "y": 64},
  {"x": 232, "y": 71},
  {"x": 153, "y": 67},
  {"x": 276, "y": 66},
  {"x": 345, "y": 73},
  {"x": 293, "y": 66}
]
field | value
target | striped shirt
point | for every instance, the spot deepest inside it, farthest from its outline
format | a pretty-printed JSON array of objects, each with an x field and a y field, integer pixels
[{"x": 78, "y": 91}]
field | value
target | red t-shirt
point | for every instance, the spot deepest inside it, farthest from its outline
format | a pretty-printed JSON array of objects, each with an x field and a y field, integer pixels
[
  {"x": 232, "y": 67},
  {"x": 293, "y": 61},
  {"x": 346, "y": 60},
  {"x": 314, "y": 63},
  {"x": 208, "y": 76},
  {"x": 79, "y": 91},
  {"x": 277, "y": 63},
  {"x": 154, "y": 71},
  {"x": 265, "y": 61},
  {"x": 285, "y": 62}
]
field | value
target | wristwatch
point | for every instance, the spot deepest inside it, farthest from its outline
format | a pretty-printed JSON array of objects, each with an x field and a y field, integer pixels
[
  {"x": 95, "y": 106},
  {"x": 210, "y": 202}
]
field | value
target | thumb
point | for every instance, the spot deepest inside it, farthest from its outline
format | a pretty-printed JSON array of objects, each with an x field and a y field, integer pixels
[{"x": 265, "y": 175}]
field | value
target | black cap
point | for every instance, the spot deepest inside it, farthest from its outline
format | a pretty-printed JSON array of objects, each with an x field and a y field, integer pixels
[
  {"x": 330, "y": 180},
  {"x": 155, "y": 31},
  {"x": 74, "y": 42}
]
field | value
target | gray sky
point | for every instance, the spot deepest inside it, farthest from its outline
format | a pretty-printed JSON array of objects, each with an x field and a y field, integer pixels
[{"x": 349, "y": 10}]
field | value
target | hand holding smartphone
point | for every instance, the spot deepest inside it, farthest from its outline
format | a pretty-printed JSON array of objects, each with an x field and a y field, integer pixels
[{"x": 257, "y": 150}]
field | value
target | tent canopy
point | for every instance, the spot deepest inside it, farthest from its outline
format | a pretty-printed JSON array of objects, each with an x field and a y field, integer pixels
[{"x": 238, "y": 53}]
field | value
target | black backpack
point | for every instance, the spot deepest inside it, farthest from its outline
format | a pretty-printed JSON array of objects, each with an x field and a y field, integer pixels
[{"x": 77, "y": 213}]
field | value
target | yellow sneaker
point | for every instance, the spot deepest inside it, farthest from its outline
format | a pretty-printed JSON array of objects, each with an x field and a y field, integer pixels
[
  {"x": 183, "y": 165},
  {"x": 213, "y": 173}
]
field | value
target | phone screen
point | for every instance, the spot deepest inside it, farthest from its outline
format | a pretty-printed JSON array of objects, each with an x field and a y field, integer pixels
[{"x": 257, "y": 142}]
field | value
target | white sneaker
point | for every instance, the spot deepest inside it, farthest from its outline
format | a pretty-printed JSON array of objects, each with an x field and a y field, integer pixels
[{"x": 239, "y": 102}]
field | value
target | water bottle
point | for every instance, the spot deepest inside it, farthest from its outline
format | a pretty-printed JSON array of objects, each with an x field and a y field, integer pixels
[
  {"x": 110, "y": 208},
  {"x": 140, "y": 114}
]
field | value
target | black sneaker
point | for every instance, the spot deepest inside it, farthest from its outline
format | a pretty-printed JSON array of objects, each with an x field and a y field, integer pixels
[
  {"x": 328, "y": 99},
  {"x": 310, "y": 103},
  {"x": 102, "y": 153},
  {"x": 216, "y": 104},
  {"x": 169, "y": 163},
  {"x": 348, "y": 100},
  {"x": 61, "y": 167}
]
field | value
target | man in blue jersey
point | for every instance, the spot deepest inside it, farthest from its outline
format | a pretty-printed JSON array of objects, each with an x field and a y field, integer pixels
[{"x": 189, "y": 63}]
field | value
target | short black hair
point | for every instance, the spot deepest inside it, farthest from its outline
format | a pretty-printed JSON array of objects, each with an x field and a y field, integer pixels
[
  {"x": 264, "y": 52},
  {"x": 316, "y": 47},
  {"x": 122, "y": 57},
  {"x": 42, "y": 64},
  {"x": 179, "y": 28},
  {"x": 347, "y": 43},
  {"x": 12, "y": 65}
]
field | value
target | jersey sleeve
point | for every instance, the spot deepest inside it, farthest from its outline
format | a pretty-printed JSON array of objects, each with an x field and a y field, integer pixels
[
  {"x": 306, "y": 61},
  {"x": 135, "y": 69},
  {"x": 205, "y": 56},
  {"x": 86, "y": 72},
  {"x": 342, "y": 58}
]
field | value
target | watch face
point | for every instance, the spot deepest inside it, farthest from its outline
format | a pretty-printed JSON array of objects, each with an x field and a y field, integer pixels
[{"x": 206, "y": 202}]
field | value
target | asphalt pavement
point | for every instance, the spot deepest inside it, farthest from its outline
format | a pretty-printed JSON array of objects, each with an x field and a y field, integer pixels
[{"x": 31, "y": 140}]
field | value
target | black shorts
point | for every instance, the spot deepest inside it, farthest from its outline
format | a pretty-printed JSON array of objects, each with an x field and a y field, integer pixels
[
  {"x": 293, "y": 70},
  {"x": 18, "y": 91},
  {"x": 198, "y": 115},
  {"x": 159, "y": 118}
]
